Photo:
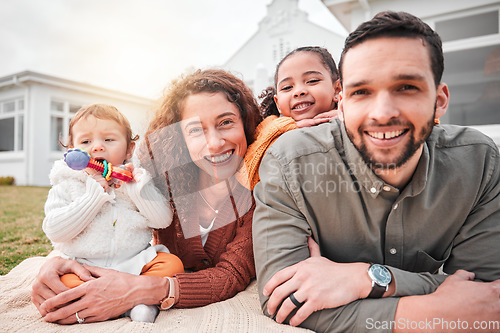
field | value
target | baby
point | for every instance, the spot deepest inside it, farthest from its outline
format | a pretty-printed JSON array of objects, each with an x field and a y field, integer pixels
[{"x": 101, "y": 222}]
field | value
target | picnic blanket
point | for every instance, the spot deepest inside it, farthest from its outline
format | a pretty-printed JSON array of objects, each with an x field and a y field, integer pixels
[{"x": 239, "y": 314}]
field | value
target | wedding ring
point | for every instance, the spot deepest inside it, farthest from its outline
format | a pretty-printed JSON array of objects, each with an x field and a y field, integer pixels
[
  {"x": 294, "y": 300},
  {"x": 78, "y": 319}
]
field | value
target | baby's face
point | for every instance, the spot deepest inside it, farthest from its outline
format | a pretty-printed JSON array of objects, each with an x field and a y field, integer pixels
[{"x": 103, "y": 139}]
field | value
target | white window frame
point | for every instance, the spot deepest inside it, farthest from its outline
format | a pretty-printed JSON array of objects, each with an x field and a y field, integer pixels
[
  {"x": 465, "y": 44},
  {"x": 472, "y": 42},
  {"x": 66, "y": 115},
  {"x": 16, "y": 114}
]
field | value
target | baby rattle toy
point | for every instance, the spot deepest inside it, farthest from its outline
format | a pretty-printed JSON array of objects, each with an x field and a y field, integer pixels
[{"x": 79, "y": 159}]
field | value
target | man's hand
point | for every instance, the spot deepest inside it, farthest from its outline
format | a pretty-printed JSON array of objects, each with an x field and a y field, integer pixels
[
  {"x": 318, "y": 282},
  {"x": 318, "y": 119},
  {"x": 458, "y": 298},
  {"x": 48, "y": 283}
]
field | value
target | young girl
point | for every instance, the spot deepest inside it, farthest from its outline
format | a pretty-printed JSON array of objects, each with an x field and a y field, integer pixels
[
  {"x": 305, "y": 94},
  {"x": 101, "y": 223}
]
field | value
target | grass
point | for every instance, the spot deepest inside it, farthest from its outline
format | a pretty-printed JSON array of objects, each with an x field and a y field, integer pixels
[{"x": 21, "y": 216}]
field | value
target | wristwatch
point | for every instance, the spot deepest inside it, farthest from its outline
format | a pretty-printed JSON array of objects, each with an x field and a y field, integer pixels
[
  {"x": 381, "y": 278},
  {"x": 169, "y": 301}
]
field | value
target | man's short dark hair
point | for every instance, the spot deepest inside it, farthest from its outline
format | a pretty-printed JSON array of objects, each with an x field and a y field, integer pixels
[{"x": 398, "y": 24}]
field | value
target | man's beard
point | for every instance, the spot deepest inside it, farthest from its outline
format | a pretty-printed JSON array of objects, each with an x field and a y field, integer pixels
[{"x": 411, "y": 147}]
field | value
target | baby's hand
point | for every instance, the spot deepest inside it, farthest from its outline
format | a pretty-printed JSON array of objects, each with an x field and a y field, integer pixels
[
  {"x": 137, "y": 173},
  {"x": 98, "y": 177},
  {"x": 323, "y": 117}
]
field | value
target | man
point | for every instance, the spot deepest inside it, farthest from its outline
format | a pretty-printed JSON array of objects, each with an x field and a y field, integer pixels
[{"x": 363, "y": 211}]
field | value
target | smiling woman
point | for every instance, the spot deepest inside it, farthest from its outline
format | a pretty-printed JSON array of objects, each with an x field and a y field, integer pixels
[
  {"x": 197, "y": 142},
  {"x": 199, "y": 137}
]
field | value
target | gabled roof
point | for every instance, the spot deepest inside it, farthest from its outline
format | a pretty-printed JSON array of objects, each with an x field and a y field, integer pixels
[{"x": 261, "y": 29}]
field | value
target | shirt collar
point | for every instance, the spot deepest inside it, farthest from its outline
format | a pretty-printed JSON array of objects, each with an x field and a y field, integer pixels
[{"x": 421, "y": 174}]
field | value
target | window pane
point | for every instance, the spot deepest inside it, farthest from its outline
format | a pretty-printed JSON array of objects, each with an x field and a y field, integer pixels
[
  {"x": 56, "y": 106},
  {"x": 473, "y": 77},
  {"x": 468, "y": 26},
  {"x": 56, "y": 128},
  {"x": 20, "y": 132},
  {"x": 73, "y": 109},
  {"x": 7, "y": 134},
  {"x": 20, "y": 104},
  {"x": 9, "y": 106}
]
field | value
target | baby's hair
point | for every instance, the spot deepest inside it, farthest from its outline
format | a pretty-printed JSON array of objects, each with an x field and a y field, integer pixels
[
  {"x": 101, "y": 111},
  {"x": 267, "y": 105}
]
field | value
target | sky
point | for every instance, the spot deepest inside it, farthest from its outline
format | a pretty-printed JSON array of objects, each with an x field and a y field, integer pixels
[{"x": 134, "y": 46}]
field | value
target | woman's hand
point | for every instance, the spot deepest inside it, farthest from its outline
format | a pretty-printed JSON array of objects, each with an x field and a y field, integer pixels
[
  {"x": 319, "y": 283},
  {"x": 318, "y": 119},
  {"x": 108, "y": 296},
  {"x": 48, "y": 283}
]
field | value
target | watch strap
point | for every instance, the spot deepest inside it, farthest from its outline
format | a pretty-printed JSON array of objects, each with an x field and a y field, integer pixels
[
  {"x": 377, "y": 291},
  {"x": 169, "y": 300}
]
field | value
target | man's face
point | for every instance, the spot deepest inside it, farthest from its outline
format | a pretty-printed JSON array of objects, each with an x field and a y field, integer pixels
[{"x": 389, "y": 99}]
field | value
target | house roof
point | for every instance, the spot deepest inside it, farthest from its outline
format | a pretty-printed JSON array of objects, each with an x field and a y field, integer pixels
[
  {"x": 341, "y": 9},
  {"x": 31, "y": 77}
]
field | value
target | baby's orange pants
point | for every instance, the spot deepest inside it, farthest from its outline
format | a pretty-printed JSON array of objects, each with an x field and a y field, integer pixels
[{"x": 164, "y": 264}]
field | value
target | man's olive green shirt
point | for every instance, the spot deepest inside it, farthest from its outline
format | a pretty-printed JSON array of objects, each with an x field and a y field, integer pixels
[{"x": 315, "y": 183}]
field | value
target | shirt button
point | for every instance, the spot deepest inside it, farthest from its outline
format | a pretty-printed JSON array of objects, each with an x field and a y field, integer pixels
[
  {"x": 205, "y": 262},
  {"x": 373, "y": 190},
  {"x": 396, "y": 206},
  {"x": 386, "y": 188},
  {"x": 393, "y": 251}
]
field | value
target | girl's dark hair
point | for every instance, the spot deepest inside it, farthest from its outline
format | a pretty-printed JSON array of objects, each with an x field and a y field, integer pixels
[
  {"x": 268, "y": 106},
  {"x": 398, "y": 24},
  {"x": 164, "y": 152}
]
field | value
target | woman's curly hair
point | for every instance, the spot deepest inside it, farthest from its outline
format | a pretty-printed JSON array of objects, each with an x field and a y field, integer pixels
[{"x": 163, "y": 151}]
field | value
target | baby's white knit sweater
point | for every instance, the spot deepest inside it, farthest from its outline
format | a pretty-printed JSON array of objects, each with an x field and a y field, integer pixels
[{"x": 107, "y": 229}]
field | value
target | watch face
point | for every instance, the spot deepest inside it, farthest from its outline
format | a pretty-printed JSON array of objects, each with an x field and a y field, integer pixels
[{"x": 380, "y": 274}]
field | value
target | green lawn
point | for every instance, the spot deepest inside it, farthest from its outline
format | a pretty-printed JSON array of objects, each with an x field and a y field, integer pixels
[{"x": 21, "y": 216}]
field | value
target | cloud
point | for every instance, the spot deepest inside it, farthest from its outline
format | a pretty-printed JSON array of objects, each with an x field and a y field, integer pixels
[{"x": 136, "y": 46}]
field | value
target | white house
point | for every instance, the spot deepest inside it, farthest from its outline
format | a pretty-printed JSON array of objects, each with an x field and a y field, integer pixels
[
  {"x": 470, "y": 31},
  {"x": 35, "y": 110},
  {"x": 284, "y": 28}
]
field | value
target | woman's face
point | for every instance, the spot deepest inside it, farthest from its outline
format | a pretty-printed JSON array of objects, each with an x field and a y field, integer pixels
[{"x": 213, "y": 130}]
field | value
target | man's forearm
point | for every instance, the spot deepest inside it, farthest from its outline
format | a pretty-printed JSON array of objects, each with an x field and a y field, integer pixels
[{"x": 458, "y": 303}]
